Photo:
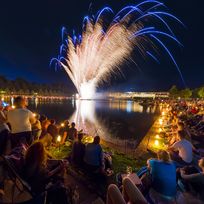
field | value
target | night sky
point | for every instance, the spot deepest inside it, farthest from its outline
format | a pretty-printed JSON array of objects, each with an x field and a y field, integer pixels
[{"x": 30, "y": 36}]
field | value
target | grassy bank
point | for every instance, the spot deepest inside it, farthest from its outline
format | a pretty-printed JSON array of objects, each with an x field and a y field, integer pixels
[
  {"x": 120, "y": 161},
  {"x": 136, "y": 158}
]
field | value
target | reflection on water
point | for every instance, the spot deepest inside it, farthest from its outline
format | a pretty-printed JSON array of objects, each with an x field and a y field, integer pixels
[
  {"x": 131, "y": 106},
  {"x": 115, "y": 121},
  {"x": 98, "y": 117},
  {"x": 128, "y": 106},
  {"x": 86, "y": 119},
  {"x": 36, "y": 102}
]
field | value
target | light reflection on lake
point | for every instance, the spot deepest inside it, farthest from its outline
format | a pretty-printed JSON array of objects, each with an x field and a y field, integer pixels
[{"x": 115, "y": 121}]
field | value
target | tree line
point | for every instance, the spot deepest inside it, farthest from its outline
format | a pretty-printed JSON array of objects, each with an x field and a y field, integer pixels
[
  {"x": 186, "y": 93},
  {"x": 21, "y": 86}
]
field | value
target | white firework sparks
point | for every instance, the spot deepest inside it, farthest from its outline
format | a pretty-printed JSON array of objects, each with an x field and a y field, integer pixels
[{"x": 92, "y": 57}]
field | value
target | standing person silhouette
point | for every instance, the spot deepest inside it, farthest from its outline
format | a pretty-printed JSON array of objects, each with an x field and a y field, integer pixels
[{"x": 20, "y": 120}]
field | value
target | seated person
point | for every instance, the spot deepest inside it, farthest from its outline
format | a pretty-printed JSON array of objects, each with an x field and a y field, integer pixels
[
  {"x": 163, "y": 177},
  {"x": 93, "y": 158},
  {"x": 44, "y": 124},
  {"x": 195, "y": 180},
  {"x": 183, "y": 126},
  {"x": 173, "y": 136},
  {"x": 184, "y": 148},
  {"x": 63, "y": 130},
  {"x": 52, "y": 129},
  {"x": 35, "y": 170},
  {"x": 46, "y": 140},
  {"x": 78, "y": 151},
  {"x": 130, "y": 194},
  {"x": 37, "y": 128},
  {"x": 72, "y": 132},
  {"x": 200, "y": 124},
  {"x": 108, "y": 162}
]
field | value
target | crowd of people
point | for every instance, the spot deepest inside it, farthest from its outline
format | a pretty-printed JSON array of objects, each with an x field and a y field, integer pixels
[
  {"x": 176, "y": 175},
  {"x": 180, "y": 164},
  {"x": 19, "y": 125},
  {"x": 25, "y": 138}
]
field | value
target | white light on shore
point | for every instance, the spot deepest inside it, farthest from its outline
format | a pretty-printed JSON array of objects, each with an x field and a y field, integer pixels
[
  {"x": 59, "y": 138},
  {"x": 156, "y": 143}
]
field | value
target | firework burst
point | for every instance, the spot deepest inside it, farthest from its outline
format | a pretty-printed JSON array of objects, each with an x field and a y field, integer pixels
[{"x": 92, "y": 57}]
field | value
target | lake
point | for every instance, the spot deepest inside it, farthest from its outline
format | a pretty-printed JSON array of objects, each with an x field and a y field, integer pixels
[{"x": 115, "y": 121}]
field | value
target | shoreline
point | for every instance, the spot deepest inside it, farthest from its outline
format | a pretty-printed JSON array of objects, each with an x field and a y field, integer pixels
[
  {"x": 122, "y": 155},
  {"x": 141, "y": 148}
]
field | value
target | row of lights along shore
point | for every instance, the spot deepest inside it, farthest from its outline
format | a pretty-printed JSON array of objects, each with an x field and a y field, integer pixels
[{"x": 157, "y": 142}]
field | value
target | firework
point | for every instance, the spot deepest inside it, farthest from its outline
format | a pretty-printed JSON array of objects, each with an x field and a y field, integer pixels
[{"x": 92, "y": 57}]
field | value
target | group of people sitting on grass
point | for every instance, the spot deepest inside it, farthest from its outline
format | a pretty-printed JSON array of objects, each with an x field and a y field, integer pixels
[
  {"x": 176, "y": 175},
  {"x": 24, "y": 138},
  {"x": 181, "y": 163},
  {"x": 24, "y": 126},
  {"x": 91, "y": 157},
  {"x": 164, "y": 179}
]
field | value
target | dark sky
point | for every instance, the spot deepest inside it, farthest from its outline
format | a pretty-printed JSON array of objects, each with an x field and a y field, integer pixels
[{"x": 30, "y": 36}]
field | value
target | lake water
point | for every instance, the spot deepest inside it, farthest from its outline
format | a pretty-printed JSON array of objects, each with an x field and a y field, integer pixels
[{"x": 115, "y": 121}]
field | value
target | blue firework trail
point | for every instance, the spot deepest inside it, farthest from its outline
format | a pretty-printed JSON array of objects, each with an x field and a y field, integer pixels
[
  {"x": 97, "y": 53},
  {"x": 171, "y": 56},
  {"x": 153, "y": 57},
  {"x": 106, "y": 9}
]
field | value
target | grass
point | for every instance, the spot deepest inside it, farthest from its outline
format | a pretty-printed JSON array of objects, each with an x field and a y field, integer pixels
[
  {"x": 120, "y": 161},
  {"x": 60, "y": 153}
]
